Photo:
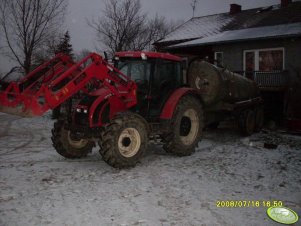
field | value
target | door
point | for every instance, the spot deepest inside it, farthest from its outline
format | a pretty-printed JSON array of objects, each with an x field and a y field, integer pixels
[
  {"x": 139, "y": 71},
  {"x": 166, "y": 78}
]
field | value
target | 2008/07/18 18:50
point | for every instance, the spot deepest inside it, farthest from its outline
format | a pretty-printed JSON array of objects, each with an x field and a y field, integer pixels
[{"x": 247, "y": 203}]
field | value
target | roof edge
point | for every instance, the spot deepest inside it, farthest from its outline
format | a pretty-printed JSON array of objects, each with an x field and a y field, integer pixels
[{"x": 233, "y": 41}]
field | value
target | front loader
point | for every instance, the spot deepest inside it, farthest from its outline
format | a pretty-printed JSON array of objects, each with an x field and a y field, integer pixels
[{"x": 119, "y": 107}]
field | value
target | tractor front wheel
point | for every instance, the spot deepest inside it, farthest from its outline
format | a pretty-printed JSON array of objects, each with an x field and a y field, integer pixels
[
  {"x": 124, "y": 140},
  {"x": 186, "y": 127},
  {"x": 67, "y": 146}
]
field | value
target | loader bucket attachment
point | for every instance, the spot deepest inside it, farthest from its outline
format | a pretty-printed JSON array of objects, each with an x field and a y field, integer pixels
[
  {"x": 57, "y": 80},
  {"x": 25, "y": 97}
]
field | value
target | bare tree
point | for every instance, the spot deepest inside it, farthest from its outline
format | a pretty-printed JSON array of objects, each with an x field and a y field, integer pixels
[
  {"x": 153, "y": 29},
  {"x": 48, "y": 49},
  {"x": 27, "y": 26},
  {"x": 124, "y": 26},
  {"x": 120, "y": 24}
]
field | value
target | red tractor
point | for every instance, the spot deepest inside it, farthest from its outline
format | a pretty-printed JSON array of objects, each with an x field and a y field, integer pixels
[{"x": 142, "y": 96}]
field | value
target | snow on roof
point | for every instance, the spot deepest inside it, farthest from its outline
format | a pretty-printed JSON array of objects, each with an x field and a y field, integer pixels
[
  {"x": 247, "y": 34},
  {"x": 212, "y": 25}
]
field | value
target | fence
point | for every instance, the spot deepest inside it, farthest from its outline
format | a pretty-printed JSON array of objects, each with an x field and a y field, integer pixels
[{"x": 268, "y": 79}]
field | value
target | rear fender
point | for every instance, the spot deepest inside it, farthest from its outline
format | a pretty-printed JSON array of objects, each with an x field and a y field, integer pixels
[{"x": 173, "y": 100}]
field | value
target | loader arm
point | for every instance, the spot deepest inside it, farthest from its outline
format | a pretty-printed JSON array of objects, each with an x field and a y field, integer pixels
[{"x": 57, "y": 80}]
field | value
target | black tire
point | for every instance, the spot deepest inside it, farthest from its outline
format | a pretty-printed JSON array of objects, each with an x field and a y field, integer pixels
[
  {"x": 213, "y": 125},
  {"x": 185, "y": 135},
  {"x": 247, "y": 122},
  {"x": 124, "y": 140},
  {"x": 259, "y": 119},
  {"x": 66, "y": 146},
  {"x": 56, "y": 113}
]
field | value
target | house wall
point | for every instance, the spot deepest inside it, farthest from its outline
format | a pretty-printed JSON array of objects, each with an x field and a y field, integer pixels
[
  {"x": 233, "y": 60},
  {"x": 285, "y": 103},
  {"x": 233, "y": 52}
]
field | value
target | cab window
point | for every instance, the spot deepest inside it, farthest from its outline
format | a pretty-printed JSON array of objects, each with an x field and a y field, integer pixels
[
  {"x": 136, "y": 70},
  {"x": 168, "y": 71}
]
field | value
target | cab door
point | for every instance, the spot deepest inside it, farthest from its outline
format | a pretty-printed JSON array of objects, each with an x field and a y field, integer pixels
[
  {"x": 139, "y": 71},
  {"x": 166, "y": 78}
]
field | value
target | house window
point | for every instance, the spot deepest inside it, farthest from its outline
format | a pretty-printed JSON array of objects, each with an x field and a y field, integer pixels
[
  {"x": 218, "y": 58},
  {"x": 271, "y": 60},
  {"x": 264, "y": 60}
]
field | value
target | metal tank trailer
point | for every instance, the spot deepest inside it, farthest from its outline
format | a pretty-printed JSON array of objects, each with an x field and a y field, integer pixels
[{"x": 226, "y": 94}]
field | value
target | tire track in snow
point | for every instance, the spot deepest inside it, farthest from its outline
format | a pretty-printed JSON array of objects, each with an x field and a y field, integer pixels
[
  {"x": 7, "y": 120},
  {"x": 22, "y": 145}
]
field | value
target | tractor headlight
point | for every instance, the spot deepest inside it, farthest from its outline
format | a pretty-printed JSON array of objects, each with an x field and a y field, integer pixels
[
  {"x": 85, "y": 111},
  {"x": 78, "y": 110},
  {"x": 143, "y": 56}
]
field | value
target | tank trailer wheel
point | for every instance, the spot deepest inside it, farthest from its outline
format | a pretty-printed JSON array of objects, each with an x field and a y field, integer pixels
[
  {"x": 259, "y": 119},
  {"x": 66, "y": 146},
  {"x": 124, "y": 140},
  {"x": 213, "y": 125},
  {"x": 186, "y": 125},
  {"x": 247, "y": 122}
]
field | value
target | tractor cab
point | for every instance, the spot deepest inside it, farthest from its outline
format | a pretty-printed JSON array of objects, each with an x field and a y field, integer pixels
[{"x": 157, "y": 75}]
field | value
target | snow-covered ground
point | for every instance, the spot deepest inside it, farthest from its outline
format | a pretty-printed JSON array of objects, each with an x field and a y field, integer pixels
[{"x": 39, "y": 187}]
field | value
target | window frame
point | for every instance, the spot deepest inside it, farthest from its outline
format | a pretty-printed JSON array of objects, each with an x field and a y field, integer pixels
[
  {"x": 256, "y": 57},
  {"x": 215, "y": 58},
  {"x": 129, "y": 64}
]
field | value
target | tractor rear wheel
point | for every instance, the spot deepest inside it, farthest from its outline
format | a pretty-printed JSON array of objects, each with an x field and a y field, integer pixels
[
  {"x": 186, "y": 127},
  {"x": 67, "y": 146},
  {"x": 124, "y": 140}
]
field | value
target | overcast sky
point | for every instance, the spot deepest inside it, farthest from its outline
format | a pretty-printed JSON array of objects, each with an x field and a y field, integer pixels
[{"x": 83, "y": 37}]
